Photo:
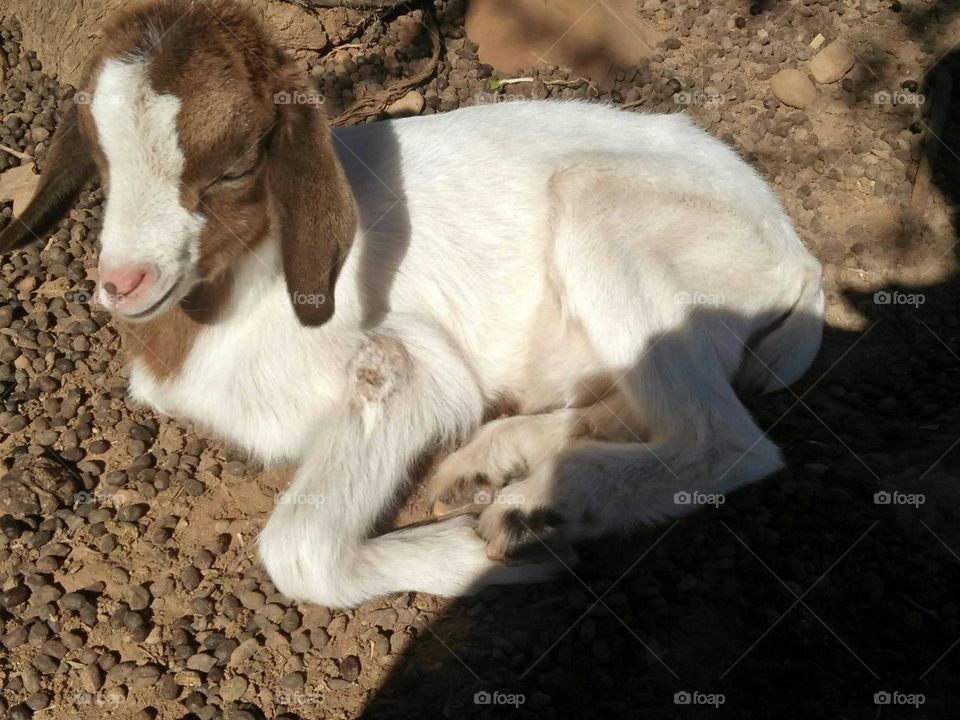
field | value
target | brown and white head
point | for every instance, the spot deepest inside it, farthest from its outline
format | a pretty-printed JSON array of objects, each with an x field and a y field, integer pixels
[{"x": 207, "y": 140}]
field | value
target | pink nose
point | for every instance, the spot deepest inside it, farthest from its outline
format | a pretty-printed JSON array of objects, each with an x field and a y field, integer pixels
[{"x": 122, "y": 281}]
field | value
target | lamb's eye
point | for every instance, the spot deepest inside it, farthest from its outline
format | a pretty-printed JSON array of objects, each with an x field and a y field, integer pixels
[{"x": 242, "y": 167}]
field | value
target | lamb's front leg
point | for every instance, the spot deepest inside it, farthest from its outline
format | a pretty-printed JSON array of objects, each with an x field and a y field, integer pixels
[{"x": 402, "y": 398}]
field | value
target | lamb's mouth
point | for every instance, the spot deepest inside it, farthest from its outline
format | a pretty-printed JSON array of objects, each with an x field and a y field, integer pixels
[{"x": 145, "y": 314}]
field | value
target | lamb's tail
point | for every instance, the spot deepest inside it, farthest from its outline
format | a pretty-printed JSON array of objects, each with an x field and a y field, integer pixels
[{"x": 784, "y": 351}]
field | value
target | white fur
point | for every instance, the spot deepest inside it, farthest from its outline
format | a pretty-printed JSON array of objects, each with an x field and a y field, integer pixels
[
  {"x": 522, "y": 250},
  {"x": 144, "y": 224}
]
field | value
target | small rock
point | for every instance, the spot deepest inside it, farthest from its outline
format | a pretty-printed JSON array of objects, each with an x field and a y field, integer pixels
[
  {"x": 15, "y": 596},
  {"x": 410, "y": 104},
  {"x": 350, "y": 668},
  {"x": 793, "y": 88},
  {"x": 91, "y": 679},
  {"x": 234, "y": 688},
  {"x": 292, "y": 681},
  {"x": 190, "y": 577},
  {"x": 251, "y": 599},
  {"x": 39, "y": 700},
  {"x": 140, "y": 598},
  {"x": 831, "y": 63},
  {"x": 202, "y": 662},
  {"x": 169, "y": 689}
]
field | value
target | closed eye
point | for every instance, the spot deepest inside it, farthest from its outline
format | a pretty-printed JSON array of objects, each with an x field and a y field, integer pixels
[{"x": 244, "y": 166}]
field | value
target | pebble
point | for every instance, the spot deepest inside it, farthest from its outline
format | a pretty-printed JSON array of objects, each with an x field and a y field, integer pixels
[
  {"x": 293, "y": 681},
  {"x": 793, "y": 88},
  {"x": 169, "y": 689},
  {"x": 39, "y": 700},
  {"x": 410, "y": 104},
  {"x": 91, "y": 678},
  {"x": 251, "y": 599},
  {"x": 202, "y": 662},
  {"x": 233, "y": 688},
  {"x": 350, "y": 668},
  {"x": 832, "y": 63},
  {"x": 14, "y": 597},
  {"x": 190, "y": 577}
]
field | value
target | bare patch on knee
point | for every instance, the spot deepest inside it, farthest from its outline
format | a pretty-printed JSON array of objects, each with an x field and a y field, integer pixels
[{"x": 379, "y": 367}]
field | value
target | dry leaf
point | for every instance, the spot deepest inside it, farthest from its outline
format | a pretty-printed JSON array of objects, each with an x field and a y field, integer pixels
[{"x": 20, "y": 185}]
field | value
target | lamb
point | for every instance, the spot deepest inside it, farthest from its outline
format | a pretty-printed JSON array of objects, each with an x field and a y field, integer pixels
[{"x": 352, "y": 300}]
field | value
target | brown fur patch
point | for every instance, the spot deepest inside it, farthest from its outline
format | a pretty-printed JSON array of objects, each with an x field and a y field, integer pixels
[
  {"x": 164, "y": 343},
  {"x": 253, "y": 162}
]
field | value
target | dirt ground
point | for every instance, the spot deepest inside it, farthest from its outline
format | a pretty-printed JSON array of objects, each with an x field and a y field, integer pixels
[{"x": 129, "y": 586}]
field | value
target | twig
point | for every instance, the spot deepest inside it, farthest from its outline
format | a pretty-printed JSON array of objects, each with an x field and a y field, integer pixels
[
  {"x": 338, "y": 48},
  {"x": 15, "y": 153},
  {"x": 371, "y": 106},
  {"x": 576, "y": 82},
  {"x": 921, "y": 608},
  {"x": 55, "y": 456}
]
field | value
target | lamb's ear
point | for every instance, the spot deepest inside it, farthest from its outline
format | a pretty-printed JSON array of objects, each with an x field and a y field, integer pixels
[
  {"x": 69, "y": 164},
  {"x": 316, "y": 208}
]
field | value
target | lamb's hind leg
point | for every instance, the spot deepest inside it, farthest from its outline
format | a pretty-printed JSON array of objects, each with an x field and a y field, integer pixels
[
  {"x": 674, "y": 363},
  {"x": 703, "y": 443}
]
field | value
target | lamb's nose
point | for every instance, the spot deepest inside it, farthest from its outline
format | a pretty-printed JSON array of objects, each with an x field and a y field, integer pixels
[{"x": 122, "y": 280}]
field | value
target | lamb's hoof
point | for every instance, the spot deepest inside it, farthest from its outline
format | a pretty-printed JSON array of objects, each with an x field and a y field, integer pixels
[
  {"x": 465, "y": 495},
  {"x": 516, "y": 536}
]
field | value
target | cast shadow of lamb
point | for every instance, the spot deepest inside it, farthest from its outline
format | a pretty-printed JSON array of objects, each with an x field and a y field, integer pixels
[
  {"x": 716, "y": 603},
  {"x": 370, "y": 156}
]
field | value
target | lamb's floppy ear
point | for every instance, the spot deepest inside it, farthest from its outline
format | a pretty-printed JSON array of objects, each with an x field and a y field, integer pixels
[
  {"x": 316, "y": 208},
  {"x": 69, "y": 164}
]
